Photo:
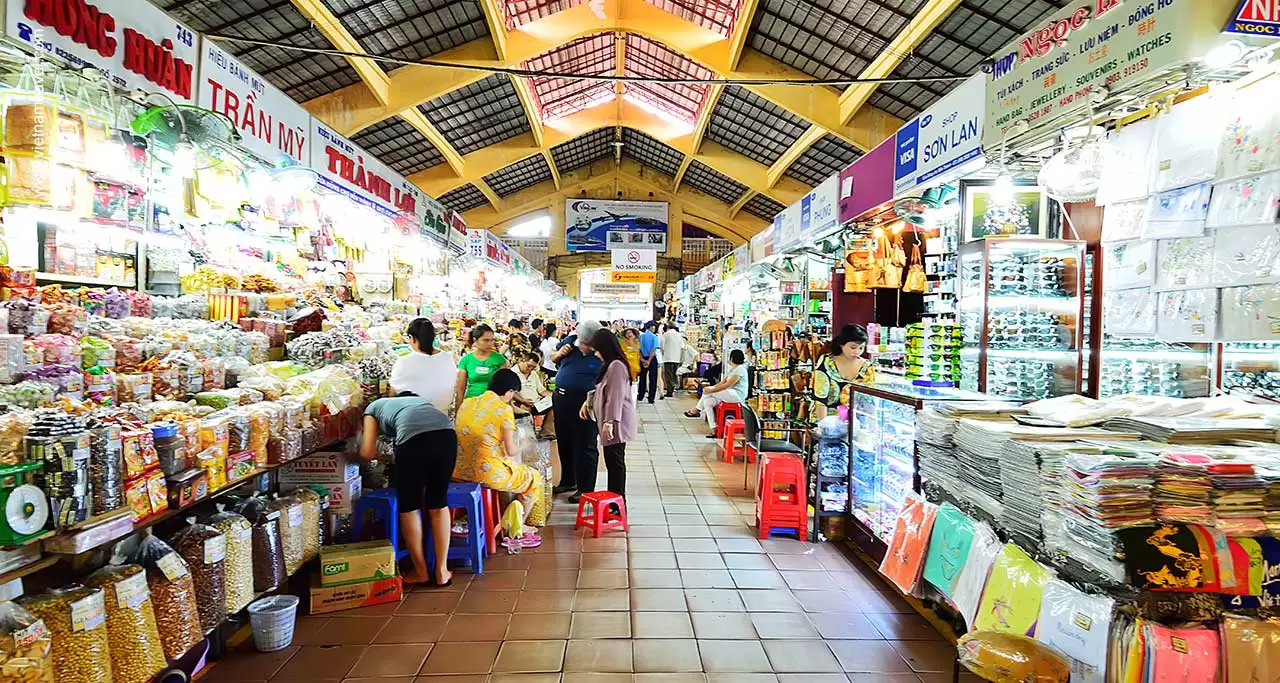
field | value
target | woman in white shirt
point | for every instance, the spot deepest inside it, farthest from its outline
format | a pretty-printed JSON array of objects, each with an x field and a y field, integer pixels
[
  {"x": 548, "y": 346},
  {"x": 733, "y": 388},
  {"x": 426, "y": 371}
]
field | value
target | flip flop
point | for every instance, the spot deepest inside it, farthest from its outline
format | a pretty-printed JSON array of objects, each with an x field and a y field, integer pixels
[
  {"x": 529, "y": 540},
  {"x": 446, "y": 584}
]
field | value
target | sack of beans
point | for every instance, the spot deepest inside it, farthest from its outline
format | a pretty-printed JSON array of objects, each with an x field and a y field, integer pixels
[
  {"x": 173, "y": 595},
  {"x": 137, "y": 653},
  {"x": 205, "y": 550}
]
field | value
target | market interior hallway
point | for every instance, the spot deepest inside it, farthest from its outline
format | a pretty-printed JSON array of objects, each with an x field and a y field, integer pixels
[{"x": 688, "y": 595}]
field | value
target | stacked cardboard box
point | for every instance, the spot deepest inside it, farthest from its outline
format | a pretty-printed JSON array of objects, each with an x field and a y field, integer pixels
[{"x": 355, "y": 575}]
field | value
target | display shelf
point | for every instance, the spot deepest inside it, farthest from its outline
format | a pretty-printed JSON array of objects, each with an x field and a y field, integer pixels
[
  {"x": 1250, "y": 369},
  {"x": 1154, "y": 368},
  {"x": 26, "y": 570},
  {"x": 85, "y": 280}
]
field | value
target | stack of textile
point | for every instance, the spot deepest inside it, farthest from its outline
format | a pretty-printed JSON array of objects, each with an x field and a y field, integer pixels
[
  {"x": 1197, "y": 488},
  {"x": 1104, "y": 489}
]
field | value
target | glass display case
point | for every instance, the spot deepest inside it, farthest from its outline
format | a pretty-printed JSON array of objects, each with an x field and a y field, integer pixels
[
  {"x": 1021, "y": 309},
  {"x": 1150, "y": 367},
  {"x": 883, "y": 463},
  {"x": 1252, "y": 369}
]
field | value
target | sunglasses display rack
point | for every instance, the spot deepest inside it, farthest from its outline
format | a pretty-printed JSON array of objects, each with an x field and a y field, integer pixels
[
  {"x": 1251, "y": 368},
  {"x": 1150, "y": 367},
  {"x": 933, "y": 354},
  {"x": 1020, "y": 311}
]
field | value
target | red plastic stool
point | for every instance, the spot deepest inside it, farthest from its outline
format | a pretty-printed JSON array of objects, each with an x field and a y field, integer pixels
[
  {"x": 600, "y": 518},
  {"x": 732, "y": 430},
  {"x": 725, "y": 411},
  {"x": 492, "y": 508},
  {"x": 781, "y": 496}
]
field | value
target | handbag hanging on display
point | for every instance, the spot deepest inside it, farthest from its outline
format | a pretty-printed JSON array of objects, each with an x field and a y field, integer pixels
[
  {"x": 916, "y": 282},
  {"x": 890, "y": 269}
]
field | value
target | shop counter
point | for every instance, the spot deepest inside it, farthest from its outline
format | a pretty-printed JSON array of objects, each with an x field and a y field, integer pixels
[{"x": 883, "y": 465}]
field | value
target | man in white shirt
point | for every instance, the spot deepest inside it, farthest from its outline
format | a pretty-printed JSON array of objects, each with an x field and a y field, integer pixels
[
  {"x": 672, "y": 352},
  {"x": 548, "y": 346}
]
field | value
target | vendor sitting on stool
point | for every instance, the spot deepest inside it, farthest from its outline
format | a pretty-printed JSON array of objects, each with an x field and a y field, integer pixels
[{"x": 732, "y": 389}]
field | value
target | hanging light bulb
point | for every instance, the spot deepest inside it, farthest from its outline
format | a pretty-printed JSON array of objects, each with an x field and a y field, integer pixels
[
  {"x": 1003, "y": 189},
  {"x": 184, "y": 158}
]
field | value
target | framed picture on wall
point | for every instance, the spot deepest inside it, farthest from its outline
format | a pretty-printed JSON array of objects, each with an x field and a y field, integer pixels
[{"x": 988, "y": 211}]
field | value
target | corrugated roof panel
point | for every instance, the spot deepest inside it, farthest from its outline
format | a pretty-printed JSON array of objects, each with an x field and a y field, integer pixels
[
  {"x": 715, "y": 15},
  {"x": 714, "y": 183},
  {"x": 481, "y": 114},
  {"x": 762, "y": 207},
  {"x": 398, "y": 145},
  {"x": 410, "y": 29},
  {"x": 521, "y": 12},
  {"x": 827, "y": 157},
  {"x": 462, "y": 199},
  {"x": 587, "y": 55},
  {"x": 524, "y": 173},
  {"x": 651, "y": 151},
  {"x": 583, "y": 150},
  {"x": 648, "y": 58},
  {"x": 753, "y": 126}
]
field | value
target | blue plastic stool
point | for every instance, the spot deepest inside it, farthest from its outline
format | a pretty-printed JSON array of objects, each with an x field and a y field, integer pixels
[
  {"x": 469, "y": 547},
  {"x": 382, "y": 503}
]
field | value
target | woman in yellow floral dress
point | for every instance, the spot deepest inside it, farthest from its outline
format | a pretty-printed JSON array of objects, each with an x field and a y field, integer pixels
[
  {"x": 487, "y": 450},
  {"x": 835, "y": 373}
]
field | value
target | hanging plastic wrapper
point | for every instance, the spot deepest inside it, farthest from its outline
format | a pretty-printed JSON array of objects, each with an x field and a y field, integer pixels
[
  {"x": 26, "y": 646},
  {"x": 137, "y": 653},
  {"x": 1009, "y": 658},
  {"x": 173, "y": 595},
  {"x": 973, "y": 576},
  {"x": 1079, "y": 626},
  {"x": 1011, "y": 599},
  {"x": 30, "y": 136}
]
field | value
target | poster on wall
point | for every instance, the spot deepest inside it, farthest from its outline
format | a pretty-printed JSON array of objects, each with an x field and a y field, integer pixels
[
  {"x": 348, "y": 170},
  {"x": 600, "y": 225},
  {"x": 134, "y": 44},
  {"x": 990, "y": 212},
  {"x": 272, "y": 126}
]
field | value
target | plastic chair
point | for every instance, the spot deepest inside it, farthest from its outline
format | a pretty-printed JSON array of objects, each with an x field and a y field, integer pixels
[
  {"x": 732, "y": 430},
  {"x": 781, "y": 496},
  {"x": 492, "y": 518},
  {"x": 600, "y": 518},
  {"x": 469, "y": 547},
  {"x": 756, "y": 444},
  {"x": 725, "y": 411},
  {"x": 385, "y": 510}
]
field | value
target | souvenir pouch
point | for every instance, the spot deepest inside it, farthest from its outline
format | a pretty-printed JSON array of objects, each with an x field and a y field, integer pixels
[
  {"x": 973, "y": 576},
  {"x": 1011, "y": 599},
  {"x": 1250, "y": 313},
  {"x": 1130, "y": 264},
  {"x": 1251, "y": 648},
  {"x": 1126, "y": 164},
  {"x": 948, "y": 549},
  {"x": 1188, "y": 316},
  {"x": 1250, "y": 142},
  {"x": 1178, "y": 213},
  {"x": 1124, "y": 221},
  {"x": 1187, "y": 141},
  {"x": 1184, "y": 263},
  {"x": 1164, "y": 557},
  {"x": 1251, "y": 200},
  {"x": 1264, "y": 580},
  {"x": 1079, "y": 626},
  {"x": 904, "y": 559},
  {"x": 1182, "y": 655},
  {"x": 1129, "y": 312}
]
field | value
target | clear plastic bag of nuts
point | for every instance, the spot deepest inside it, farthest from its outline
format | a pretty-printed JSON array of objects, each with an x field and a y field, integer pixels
[
  {"x": 26, "y": 646},
  {"x": 239, "y": 562},
  {"x": 291, "y": 530},
  {"x": 311, "y": 507},
  {"x": 173, "y": 595},
  {"x": 205, "y": 550},
  {"x": 268, "y": 548},
  {"x": 137, "y": 653},
  {"x": 77, "y": 621}
]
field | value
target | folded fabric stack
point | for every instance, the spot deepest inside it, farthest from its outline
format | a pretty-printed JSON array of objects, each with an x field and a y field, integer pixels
[
  {"x": 1182, "y": 490},
  {"x": 1103, "y": 490},
  {"x": 979, "y": 445},
  {"x": 1197, "y": 488},
  {"x": 1023, "y": 478}
]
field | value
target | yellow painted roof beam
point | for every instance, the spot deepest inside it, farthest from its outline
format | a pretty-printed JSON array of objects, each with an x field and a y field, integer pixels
[
  {"x": 742, "y": 201},
  {"x": 483, "y": 185},
  {"x": 795, "y": 151}
]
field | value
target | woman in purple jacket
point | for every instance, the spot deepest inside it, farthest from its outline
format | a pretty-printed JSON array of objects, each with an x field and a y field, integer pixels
[{"x": 614, "y": 406}]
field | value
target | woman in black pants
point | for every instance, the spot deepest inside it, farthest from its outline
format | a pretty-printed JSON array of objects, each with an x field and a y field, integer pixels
[{"x": 426, "y": 448}]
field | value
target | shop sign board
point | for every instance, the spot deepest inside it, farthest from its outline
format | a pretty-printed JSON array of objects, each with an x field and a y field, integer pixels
[
  {"x": 271, "y": 124},
  {"x": 762, "y": 244},
  {"x": 475, "y": 243},
  {"x": 867, "y": 182},
  {"x": 434, "y": 221},
  {"x": 786, "y": 228},
  {"x": 612, "y": 289},
  {"x": 819, "y": 210},
  {"x": 633, "y": 261},
  {"x": 1256, "y": 18},
  {"x": 458, "y": 233},
  {"x": 134, "y": 44},
  {"x": 1050, "y": 71},
  {"x": 741, "y": 259},
  {"x": 599, "y": 225},
  {"x": 942, "y": 138},
  {"x": 350, "y": 171}
]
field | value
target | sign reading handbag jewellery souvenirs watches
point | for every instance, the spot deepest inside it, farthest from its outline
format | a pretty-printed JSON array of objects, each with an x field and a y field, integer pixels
[{"x": 134, "y": 44}]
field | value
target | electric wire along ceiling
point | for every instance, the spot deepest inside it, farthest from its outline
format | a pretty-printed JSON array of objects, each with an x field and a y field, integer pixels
[{"x": 749, "y": 128}]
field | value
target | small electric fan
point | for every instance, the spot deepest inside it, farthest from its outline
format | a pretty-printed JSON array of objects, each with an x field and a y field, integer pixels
[{"x": 211, "y": 135}]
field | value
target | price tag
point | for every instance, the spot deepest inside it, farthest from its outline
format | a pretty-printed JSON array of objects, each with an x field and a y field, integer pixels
[
  {"x": 215, "y": 549},
  {"x": 132, "y": 592},
  {"x": 244, "y": 534},
  {"x": 295, "y": 516},
  {"x": 24, "y": 637},
  {"x": 172, "y": 566},
  {"x": 88, "y": 613}
]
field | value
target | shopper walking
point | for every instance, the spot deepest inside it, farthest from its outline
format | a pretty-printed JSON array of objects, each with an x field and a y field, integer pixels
[
  {"x": 426, "y": 449},
  {"x": 548, "y": 347},
  {"x": 649, "y": 342},
  {"x": 614, "y": 407},
  {"x": 426, "y": 371},
  {"x": 578, "y": 369},
  {"x": 732, "y": 389},
  {"x": 477, "y": 367},
  {"x": 672, "y": 355}
]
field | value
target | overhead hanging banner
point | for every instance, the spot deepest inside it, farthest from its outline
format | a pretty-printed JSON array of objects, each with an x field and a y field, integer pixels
[
  {"x": 346, "y": 169},
  {"x": 1051, "y": 70},
  {"x": 762, "y": 244},
  {"x": 601, "y": 224},
  {"x": 819, "y": 210},
  {"x": 271, "y": 124},
  {"x": 867, "y": 182},
  {"x": 1256, "y": 18},
  {"x": 134, "y": 44},
  {"x": 633, "y": 265},
  {"x": 741, "y": 259},
  {"x": 786, "y": 228},
  {"x": 942, "y": 139}
]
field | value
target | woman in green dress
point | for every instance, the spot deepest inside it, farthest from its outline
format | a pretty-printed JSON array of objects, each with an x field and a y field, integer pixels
[
  {"x": 477, "y": 367},
  {"x": 835, "y": 372}
]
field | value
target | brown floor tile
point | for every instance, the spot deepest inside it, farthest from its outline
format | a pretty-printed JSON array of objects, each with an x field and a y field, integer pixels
[
  {"x": 530, "y": 656},
  {"x": 868, "y": 656},
  {"x": 926, "y": 655},
  {"x": 539, "y": 626},
  {"x": 552, "y": 561},
  {"x": 412, "y": 629},
  {"x": 889, "y": 678},
  {"x": 488, "y": 602},
  {"x": 320, "y": 662},
  {"x": 391, "y": 660},
  {"x": 654, "y": 560},
  {"x": 604, "y": 561},
  {"x": 247, "y": 664},
  {"x": 602, "y": 600},
  {"x": 598, "y": 656},
  {"x": 545, "y": 601},
  {"x": 603, "y": 578},
  {"x": 733, "y": 656},
  {"x": 661, "y": 625},
  {"x": 747, "y": 561},
  {"x": 741, "y": 678},
  {"x": 503, "y": 561},
  {"x": 671, "y": 678},
  {"x": 714, "y": 600},
  {"x": 844, "y": 626},
  {"x": 605, "y": 544},
  {"x": 306, "y": 629},
  {"x": 599, "y": 625},
  {"x": 639, "y": 531},
  {"x": 580, "y": 677},
  {"x": 461, "y": 658},
  {"x": 667, "y": 656},
  {"x": 813, "y": 678},
  {"x": 827, "y": 601},
  {"x": 551, "y": 579},
  {"x": 349, "y": 631},
  {"x": 658, "y": 600},
  {"x": 788, "y": 626},
  {"x": 500, "y": 580},
  {"x": 723, "y": 626},
  {"x": 525, "y": 678},
  {"x": 429, "y": 603},
  {"x": 903, "y": 626},
  {"x": 882, "y": 602},
  {"x": 801, "y": 656},
  {"x": 470, "y": 628}
]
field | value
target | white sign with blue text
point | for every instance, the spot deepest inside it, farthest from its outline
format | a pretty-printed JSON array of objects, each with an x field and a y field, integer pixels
[
  {"x": 820, "y": 210},
  {"x": 942, "y": 138}
]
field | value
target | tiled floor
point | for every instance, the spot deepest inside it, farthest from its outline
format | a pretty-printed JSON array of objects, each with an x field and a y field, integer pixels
[{"x": 689, "y": 595}]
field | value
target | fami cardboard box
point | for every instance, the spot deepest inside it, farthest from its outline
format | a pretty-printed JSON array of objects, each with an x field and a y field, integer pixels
[
  {"x": 365, "y": 594},
  {"x": 350, "y": 563}
]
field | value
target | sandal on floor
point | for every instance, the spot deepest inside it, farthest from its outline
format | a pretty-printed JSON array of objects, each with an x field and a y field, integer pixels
[
  {"x": 529, "y": 540},
  {"x": 693, "y": 413}
]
